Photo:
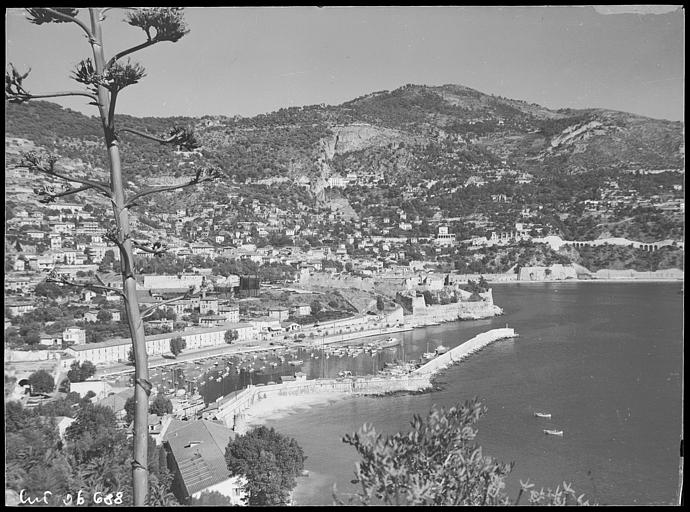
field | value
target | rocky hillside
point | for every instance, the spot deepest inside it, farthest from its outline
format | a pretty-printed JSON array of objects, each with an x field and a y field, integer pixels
[{"x": 411, "y": 133}]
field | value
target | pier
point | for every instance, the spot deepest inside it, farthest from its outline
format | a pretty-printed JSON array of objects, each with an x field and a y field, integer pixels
[{"x": 462, "y": 351}]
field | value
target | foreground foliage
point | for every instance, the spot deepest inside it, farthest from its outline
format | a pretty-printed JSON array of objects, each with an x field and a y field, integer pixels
[
  {"x": 94, "y": 456},
  {"x": 269, "y": 461},
  {"x": 437, "y": 463}
]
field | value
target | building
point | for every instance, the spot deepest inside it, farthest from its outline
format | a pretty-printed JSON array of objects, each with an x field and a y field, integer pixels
[
  {"x": 196, "y": 452},
  {"x": 230, "y": 312},
  {"x": 302, "y": 310},
  {"x": 278, "y": 313},
  {"x": 100, "y": 387},
  {"x": 74, "y": 336},
  {"x": 117, "y": 349},
  {"x": 212, "y": 320},
  {"x": 117, "y": 401},
  {"x": 50, "y": 340},
  {"x": 444, "y": 238},
  {"x": 208, "y": 305},
  {"x": 17, "y": 308},
  {"x": 172, "y": 281}
]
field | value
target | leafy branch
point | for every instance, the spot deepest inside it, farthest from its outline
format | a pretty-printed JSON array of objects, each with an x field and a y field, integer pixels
[
  {"x": 41, "y": 15},
  {"x": 49, "y": 192},
  {"x": 16, "y": 93}
]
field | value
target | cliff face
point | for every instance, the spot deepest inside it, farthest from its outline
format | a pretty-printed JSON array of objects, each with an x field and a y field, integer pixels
[{"x": 359, "y": 136}]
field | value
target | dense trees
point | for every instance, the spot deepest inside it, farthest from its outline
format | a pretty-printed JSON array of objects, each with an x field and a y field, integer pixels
[
  {"x": 161, "y": 405},
  {"x": 41, "y": 382},
  {"x": 437, "y": 463},
  {"x": 269, "y": 461},
  {"x": 94, "y": 457},
  {"x": 81, "y": 372}
]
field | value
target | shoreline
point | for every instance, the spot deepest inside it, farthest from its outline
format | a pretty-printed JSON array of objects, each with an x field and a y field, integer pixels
[{"x": 279, "y": 406}]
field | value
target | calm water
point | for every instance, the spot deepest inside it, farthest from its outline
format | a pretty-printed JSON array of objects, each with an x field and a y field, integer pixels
[{"x": 604, "y": 359}]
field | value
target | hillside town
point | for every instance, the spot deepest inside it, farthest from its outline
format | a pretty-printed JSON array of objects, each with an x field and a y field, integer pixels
[{"x": 167, "y": 276}]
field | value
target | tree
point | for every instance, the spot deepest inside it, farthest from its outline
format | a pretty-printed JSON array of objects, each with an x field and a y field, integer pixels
[
  {"x": 315, "y": 307},
  {"x": 161, "y": 405},
  {"x": 130, "y": 405},
  {"x": 231, "y": 335},
  {"x": 81, "y": 372},
  {"x": 41, "y": 382},
  {"x": 177, "y": 345},
  {"x": 269, "y": 460},
  {"x": 437, "y": 463},
  {"x": 380, "y": 305},
  {"x": 104, "y": 80},
  {"x": 104, "y": 316}
]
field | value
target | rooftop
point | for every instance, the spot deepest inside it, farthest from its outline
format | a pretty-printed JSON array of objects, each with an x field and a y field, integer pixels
[{"x": 199, "y": 451}]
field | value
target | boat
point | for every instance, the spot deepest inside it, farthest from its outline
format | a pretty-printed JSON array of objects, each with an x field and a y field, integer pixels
[
  {"x": 218, "y": 379},
  {"x": 441, "y": 350},
  {"x": 389, "y": 342},
  {"x": 296, "y": 362},
  {"x": 553, "y": 432},
  {"x": 542, "y": 414}
]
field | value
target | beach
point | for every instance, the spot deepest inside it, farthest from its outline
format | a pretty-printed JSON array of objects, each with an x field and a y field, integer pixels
[{"x": 277, "y": 407}]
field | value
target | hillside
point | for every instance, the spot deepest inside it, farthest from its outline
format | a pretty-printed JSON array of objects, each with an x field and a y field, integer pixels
[{"x": 416, "y": 148}]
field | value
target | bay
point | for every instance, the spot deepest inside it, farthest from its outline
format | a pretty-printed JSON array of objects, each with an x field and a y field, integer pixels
[{"x": 605, "y": 359}]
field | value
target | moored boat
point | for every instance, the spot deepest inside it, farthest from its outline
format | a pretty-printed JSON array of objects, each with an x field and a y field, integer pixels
[
  {"x": 389, "y": 342},
  {"x": 553, "y": 432},
  {"x": 441, "y": 350},
  {"x": 542, "y": 414}
]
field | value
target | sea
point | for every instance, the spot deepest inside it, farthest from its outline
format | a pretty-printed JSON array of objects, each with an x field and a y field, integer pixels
[{"x": 605, "y": 359}]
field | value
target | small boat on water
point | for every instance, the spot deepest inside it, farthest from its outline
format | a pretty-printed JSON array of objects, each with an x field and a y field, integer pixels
[
  {"x": 553, "y": 432},
  {"x": 542, "y": 414},
  {"x": 389, "y": 342},
  {"x": 441, "y": 350},
  {"x": 296, "y": 362}
]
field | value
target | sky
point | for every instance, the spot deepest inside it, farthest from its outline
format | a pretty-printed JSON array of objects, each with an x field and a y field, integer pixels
[{"x": 251, "y": 60}]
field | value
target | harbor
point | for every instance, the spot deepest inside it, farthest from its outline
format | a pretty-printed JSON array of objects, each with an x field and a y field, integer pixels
[{"x": 409, "y": 377}]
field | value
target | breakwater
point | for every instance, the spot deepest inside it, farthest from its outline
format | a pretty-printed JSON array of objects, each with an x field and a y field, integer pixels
[
  {"x": 230, "y": 410},
  {"x": 462, "y": 351}
]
